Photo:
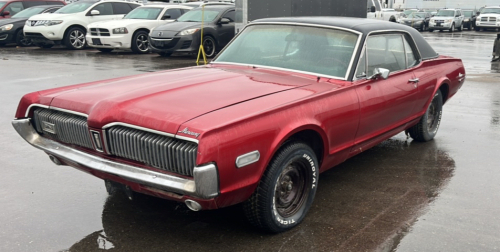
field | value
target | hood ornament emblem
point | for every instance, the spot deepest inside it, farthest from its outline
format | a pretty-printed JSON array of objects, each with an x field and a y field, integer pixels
[{"x": 187, "y": 132}]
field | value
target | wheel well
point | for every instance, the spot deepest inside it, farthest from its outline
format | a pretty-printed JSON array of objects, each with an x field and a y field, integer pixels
[
  {"x": 142, "y": 29},
  {"x": 313, "y": 139},
  {"x": 15, "y": 35},
  {"x": 445, "y": 90},
  {"x": 69, "y": 28},
  {"x": 392, "y": 19}
]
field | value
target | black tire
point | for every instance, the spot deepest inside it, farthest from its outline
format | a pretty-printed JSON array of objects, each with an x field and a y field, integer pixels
[
  {"x": 477, "y": 28},
  {"x": 75, "y": 38},
  {"x": 105, "y": 50},
  {"x": 45, "y": 46},
  {"x": 461, "y": 28},
  {"x": 165, "y": 54},
  {"x": 452, "y": 29},
  {"x": 210, "y": 46},
  {"x": 431, "y": 30},
  {"x": 422, "y": 28},
  {"x": 469, "y": 26},
  {"x": 290, "y": 181},
  {"x": 426, "y": 129},
  {"x": 21, "y": 40},
  {"x": 140, "y": 43}
]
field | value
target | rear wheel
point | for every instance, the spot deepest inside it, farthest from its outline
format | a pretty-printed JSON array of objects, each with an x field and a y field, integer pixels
[
  {"x": 75, "y": 39},
  {"x": 426, "y": 129},
  {"x": 21, "y": 40},
  {"x": 286, "y": 190},
  {"x": 140, "y": 43}
]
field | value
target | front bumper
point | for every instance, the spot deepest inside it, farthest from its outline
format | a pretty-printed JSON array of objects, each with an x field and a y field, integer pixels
[
  {"x": 204, "y": 185},
  {"x": 43, "y": 33},
  {"x": 442, "y": 26},
  {"x": 182, "y": 44},
  {"x": 487, "y": 25},
  {"x": 7, "y": 37},
  {"x": 121, "y": 41}
]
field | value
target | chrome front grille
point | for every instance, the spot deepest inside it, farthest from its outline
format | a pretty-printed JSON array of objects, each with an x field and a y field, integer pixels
[
  {"x": 163, "y": 152},
  {"x": 484, "y": 19},
  {"x": 62, "y": 126},
  {"x": 493, "y": 19}
]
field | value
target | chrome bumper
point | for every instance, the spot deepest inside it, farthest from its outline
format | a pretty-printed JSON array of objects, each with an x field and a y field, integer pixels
[{"x": 204, "y": 184}]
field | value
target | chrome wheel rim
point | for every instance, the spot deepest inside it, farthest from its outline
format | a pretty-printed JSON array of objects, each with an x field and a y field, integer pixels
[
  {"x": 291, "y": 190},
  {"x": 432, "y": 116},
  {"x": 77, "y": 39},
  {"x": 142, "y": 43}
]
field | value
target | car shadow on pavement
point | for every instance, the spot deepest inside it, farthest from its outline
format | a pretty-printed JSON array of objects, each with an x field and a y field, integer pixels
[{"x": 367, "y": 203}]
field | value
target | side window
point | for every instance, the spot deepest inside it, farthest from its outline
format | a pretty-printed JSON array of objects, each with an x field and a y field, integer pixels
[
  {"x": 104, "y": 9},
  {"x": 361, "y": 70},
  {"x": 385, "y": 51},
  {"x": 230, "y": 15},
  {"x": 132, "y": 6},
  {"x": 121, "y": 8},
  {"x": 28, "y": 4},
  {"x": 410, "y": 56},
  {"x": 14, "y": 8},
  {"x": 51, "y": 10},
  {"x": 174, "y": 13}
]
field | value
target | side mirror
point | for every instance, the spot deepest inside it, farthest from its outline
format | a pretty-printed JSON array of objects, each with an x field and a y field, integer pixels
[
  {"x": 5, "y": 13},
  {"x": 372, "y": 9},
  {"x": 166, "y": 16},
  {"x": 457, "y": 15},
  {"x": 380, "y": 72},
  {"x": 94, "y": 13},
  {"x": 224, "y": 21},
  {"x": 477, "y": 13}
]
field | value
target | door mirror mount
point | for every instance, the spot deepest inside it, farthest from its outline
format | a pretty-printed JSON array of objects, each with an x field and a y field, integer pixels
[
  {"x": 166, "y": 16},
  {"x": 5, "y": 13},
  {"x": 380, "y": 72}
]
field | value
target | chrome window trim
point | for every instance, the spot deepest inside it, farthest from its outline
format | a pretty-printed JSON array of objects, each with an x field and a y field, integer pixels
[
  {"x": 389, "y": 32},
  {"x": 27, "y": 112},
  {"x": 360, "y": 35},
  {"x": 149, "y": 130},
  {"x": 54, "y": 108}
]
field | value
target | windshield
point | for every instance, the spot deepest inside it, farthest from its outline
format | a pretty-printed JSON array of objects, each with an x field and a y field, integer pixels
[
  {"x": 406, "y": 12},
  {"x": 144, "y": 13},
  {"x": 2, "y": 4},
  {"x": 468, "y": 13},
  {"x": 445, "y": 13},
  {"x": 29, "y": 12},
  {"x": 75, "y": 7},
  {"x": 416, "y": 15},
  {"x": 490, "y": 10},
  {"x": 195, "y": 16},
  {"x": 315, "y": 50}
]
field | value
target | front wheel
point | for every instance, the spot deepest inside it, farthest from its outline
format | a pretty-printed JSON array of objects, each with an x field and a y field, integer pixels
[
  {"x": 140, "y": 42},
  {"x": 209, "y": 46},
  {"x": 452, "y": 27},
  {"x": 21, "y": 40},
  {"x": 75, "y": 39},
  {"x": 426, "y": 129},
  {"x": 286, "y": 190}
]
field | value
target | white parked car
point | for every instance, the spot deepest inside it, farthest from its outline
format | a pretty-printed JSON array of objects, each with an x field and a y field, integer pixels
[
  {"x": 68, "y": 25},
  {"x": 489, "y": 18},
  {"x": 447, "y": 19},
  {"x": 132, "y": 31}
]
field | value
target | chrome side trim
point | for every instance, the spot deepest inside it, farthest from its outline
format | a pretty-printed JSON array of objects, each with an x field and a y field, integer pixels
[
  {"x": 204, "y": 184},
  {"x": 187, "y": 139}
]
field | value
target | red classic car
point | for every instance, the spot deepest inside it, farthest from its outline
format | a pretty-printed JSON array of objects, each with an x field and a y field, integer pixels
[{"x": 287, "y": 99}]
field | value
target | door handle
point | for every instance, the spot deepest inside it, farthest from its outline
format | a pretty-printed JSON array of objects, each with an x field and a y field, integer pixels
[{"x": 416, "y": 80}]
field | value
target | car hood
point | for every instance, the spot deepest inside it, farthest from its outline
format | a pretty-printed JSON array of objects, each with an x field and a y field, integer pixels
[
  {"x": 164, "y": 100},
  {"x": 49, "y": 16},
  {"x": 6, "y": 21},
  {"x": 177, "y": 26},
  {"x": 117, "y": 23},
  {"x": 489, "y": 15}
]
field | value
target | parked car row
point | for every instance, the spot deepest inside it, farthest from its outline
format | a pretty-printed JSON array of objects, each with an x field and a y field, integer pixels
[{"x": 115, "y": 24}]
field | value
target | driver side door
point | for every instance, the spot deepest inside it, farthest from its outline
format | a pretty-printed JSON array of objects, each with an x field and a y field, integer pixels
[{"x": 385, "y": 104}]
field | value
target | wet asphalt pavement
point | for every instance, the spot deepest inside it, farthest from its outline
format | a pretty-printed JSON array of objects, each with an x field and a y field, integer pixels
[{"x": 442, "y": 195}]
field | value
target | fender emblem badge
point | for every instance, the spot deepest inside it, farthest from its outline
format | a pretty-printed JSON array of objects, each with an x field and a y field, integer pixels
[{"x": 187, "y": 132}]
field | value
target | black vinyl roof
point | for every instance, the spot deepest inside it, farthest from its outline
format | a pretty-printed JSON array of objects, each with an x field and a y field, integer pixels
[{"x": 362, "y": 25}]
